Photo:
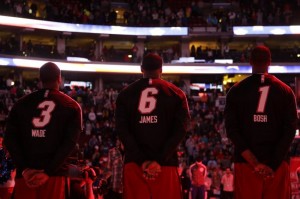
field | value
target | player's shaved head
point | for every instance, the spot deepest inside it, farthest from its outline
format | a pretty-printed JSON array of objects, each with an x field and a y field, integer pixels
[
  {"x": 260, "y": 59},
  {"x": 49, "y": 72},
  {"x": 151, "y": 62},
  {"x": 152, "y": 65}
]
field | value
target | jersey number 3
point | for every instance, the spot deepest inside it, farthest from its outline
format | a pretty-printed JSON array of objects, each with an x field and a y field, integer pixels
[
  {"x": 147, "y": 100},
  {"x": 47, "y": 107},
  {"x": 264, "y": 91}
]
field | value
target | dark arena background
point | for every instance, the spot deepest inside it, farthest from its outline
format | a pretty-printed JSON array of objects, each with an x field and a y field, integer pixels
[{"x": 99, "y": 46}]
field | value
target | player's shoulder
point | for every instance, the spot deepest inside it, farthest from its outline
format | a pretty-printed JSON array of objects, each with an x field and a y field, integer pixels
[
  {"x": 131, "y": 89},
  {"x": 276, "y": 80},
  {"x": 131, "y": 86},
  {"x": 69, "y": 100},
  {"x": 281, "y": 87},
  {"x": 247, "y": 83},
  {"x": 174, "y": 88},
  {"x": 193, "y": 165},
  {"x": 62, "y": 99},
  {"x": 28, "y": 98},
  {"x": 65, "y": 96}
]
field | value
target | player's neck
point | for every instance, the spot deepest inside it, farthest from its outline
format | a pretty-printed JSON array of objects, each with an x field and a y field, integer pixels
[
  {"x": 51, "y": 86},
  {"x": 260, "y": 69},
  {"x": 151, "y": 75},
  {"x": 259, "y": 73}
]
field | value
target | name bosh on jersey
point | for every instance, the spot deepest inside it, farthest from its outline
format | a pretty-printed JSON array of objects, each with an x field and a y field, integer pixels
[{"x": 260, "y": 118}]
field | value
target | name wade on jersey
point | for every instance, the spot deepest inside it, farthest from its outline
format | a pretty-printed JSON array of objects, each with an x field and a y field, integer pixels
[
  {"x": 148, "y": 119},
  {"x": 39, "y": 133}
]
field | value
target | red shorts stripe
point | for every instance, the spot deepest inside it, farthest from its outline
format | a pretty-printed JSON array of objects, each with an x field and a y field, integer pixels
[
  {"x": 165, "y": 186},
  {"x": 6, "y": 192},
  {"x": 53, "y": 188},
  {"x": 248, "y": 185}
]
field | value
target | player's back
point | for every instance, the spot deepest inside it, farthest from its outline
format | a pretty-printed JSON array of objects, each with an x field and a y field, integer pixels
[
  {"x": 152, "y": 106},
  {"x": 263, "y": 104},
  {"x": 42, "y": 120}
]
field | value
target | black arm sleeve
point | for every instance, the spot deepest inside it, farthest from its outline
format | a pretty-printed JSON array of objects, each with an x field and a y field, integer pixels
[
  {"x": 288, "y": 134},
  {"x": 13, "y": 140},
  {"x": 179, "y": 129},
  {"x": 124, "y": 133},
  {"x": 231, "y": 122},
  {"x": 72, "y": 133}
]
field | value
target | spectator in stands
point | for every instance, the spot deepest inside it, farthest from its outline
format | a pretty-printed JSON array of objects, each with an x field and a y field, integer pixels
[
  {"x": 102, "y": 13},
  {"x": 115, "y": 166},
  {"x": 216, "y": 176},
  {"x": 227, "y": 184},
  {"x": 7, "y": 172},
  {"x": 198, "y": 173},
  {"x": 185, "y": 182},
  {"x": 190, "y": 146}
]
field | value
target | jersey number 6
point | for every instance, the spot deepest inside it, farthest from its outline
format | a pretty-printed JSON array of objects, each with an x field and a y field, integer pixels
[{"x": 147, "y": 100}]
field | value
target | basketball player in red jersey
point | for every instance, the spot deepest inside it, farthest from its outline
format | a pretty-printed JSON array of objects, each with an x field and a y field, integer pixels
[
  {"x": 151, "y": 120},
  {"x": 260, "y": 119},
  {"x": 42, "y": 130}
]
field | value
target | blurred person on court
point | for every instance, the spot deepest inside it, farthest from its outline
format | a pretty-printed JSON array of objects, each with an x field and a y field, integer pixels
[
  {"x": 115, "y": 166},
  {"x": 227, "y": 184},
  {"x": 41, "y": 132},
  {"x": 260, "y": 120},
  {"x": 152, "y": 116},
  {"x": 198, "y": 173}
]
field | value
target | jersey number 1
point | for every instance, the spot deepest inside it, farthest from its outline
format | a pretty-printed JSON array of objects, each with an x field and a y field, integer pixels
[{"x": 264, "y": 91}]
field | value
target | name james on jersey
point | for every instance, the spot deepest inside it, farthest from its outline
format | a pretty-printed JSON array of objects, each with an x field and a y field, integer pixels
[{"x": 148, "y": 119}]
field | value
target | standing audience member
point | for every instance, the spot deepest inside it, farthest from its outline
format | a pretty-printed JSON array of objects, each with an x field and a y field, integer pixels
[
  {"x": 81, "y": 182},
  {"x": 190, "y": 145},
  {"x": 7, "y": 172},
  {"x": 198, "y": 174},
  {"x": 151, "y": 120},
  {"x": 115, "y": 166},
  {"x": 216, "y": 178},
  {"x": 260, "y": 119},
  {"x": 208, "y": 189},
  {"x": 185, "y": 182},
  {"x": 227, "y": 184},
  {"x": 42, "y": 130}
]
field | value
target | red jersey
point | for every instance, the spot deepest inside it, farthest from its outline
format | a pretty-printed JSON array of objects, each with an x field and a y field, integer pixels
[
  {"x": 198, "y": 174},
  {"x": 42, "y": 130},
  {"x": 151, "y": 120},
  {"x": 261, "y": 115}
]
